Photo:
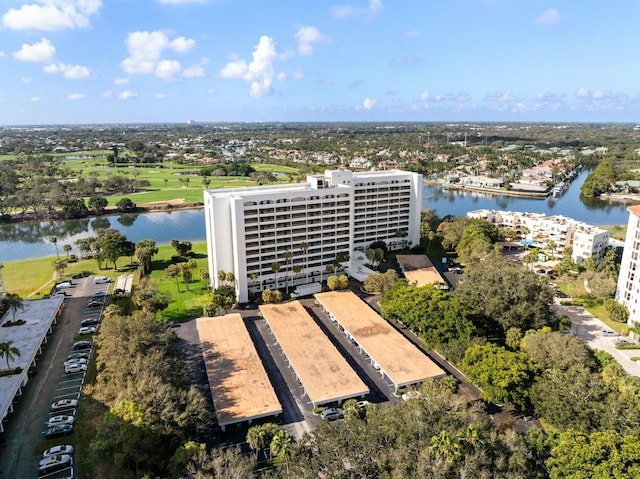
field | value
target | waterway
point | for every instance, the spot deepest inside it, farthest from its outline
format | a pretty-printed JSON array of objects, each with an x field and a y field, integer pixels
[{"x": 31, "y": 240}]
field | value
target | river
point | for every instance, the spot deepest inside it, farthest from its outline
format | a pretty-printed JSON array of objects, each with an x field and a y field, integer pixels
[{"x": 30, "y": 240}]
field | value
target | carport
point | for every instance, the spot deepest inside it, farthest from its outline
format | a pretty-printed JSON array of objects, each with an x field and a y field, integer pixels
[
  {"x": 39, "y": 316},
  {"x": 239, "y": 383},
  {"x": 322, "y": 371},
  {"x": 389, "y": 351},
  {"x": 419, "y": 270}
]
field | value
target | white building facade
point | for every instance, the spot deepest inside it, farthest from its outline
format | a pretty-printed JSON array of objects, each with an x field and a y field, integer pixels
[
  {"x": 628, "y": 289},
  {"x": 275, "y": 237},
  {"x": 544, "y": 232}
]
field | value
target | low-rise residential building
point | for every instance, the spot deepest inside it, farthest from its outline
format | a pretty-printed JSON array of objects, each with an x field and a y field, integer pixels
[{"x": 551, "y": 233}]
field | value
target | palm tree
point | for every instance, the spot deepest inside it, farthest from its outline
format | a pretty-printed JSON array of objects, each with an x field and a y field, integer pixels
[
  {"x": 280, "y": 445},
  {"x": 255, "y": 438},
  {"x": 288, "y": 256},
  {"x": 54, "y": 240},
  {"x": 12, "y": 302},
  {"x": 445, "y": 445},
  {"x": 8, "y": 351},
  {"x": 254, "y": 278},
  {"x": 67, "y": 248},
  {"x": 275, "y": 267},
  {"x": 304, "y": 246},
  {"x": 297, "y": 269}
]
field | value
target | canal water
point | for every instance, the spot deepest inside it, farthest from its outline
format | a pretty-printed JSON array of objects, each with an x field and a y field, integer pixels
[{"x": 31, "y": 240}]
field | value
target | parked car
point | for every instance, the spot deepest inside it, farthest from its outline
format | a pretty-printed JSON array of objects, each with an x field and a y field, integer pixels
[
  {"x": 58, "y": 431},
  {"x": 90, "y": 322},
  {"x": 72, "y": 361},
  {"x": 99, "y": 294},
  {"x": 64, "y": 404},
  {"x": 101, "y": 280},
  {"x": 84, "y": 330},
  {"x": 75, "y": 368},
  {"x": 95, "y": 303},
  {"x": 362, "y": 405},
  {"x": 54, "y": 463},
  {"x": 58, "y": 420},
  {"x": 456, "y": 270},
  {"x": 608, "y": 332},
  {"x": 61, "y": 449},
  {"x": 620, "y": 341},
  {"x": 64, "y": 285},
  {"x": 79, "y": 345},
  {"x": 331, "y": 414},
  {"x": 78, "y": 356}
]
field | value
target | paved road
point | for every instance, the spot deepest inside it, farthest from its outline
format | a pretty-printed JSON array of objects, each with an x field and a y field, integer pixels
[
  {"x": 588, "y": 328},
  {"x": 24, "y": 427}
]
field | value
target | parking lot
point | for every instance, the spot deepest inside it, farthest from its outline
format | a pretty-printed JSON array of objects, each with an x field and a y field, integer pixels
[{"x": 50, "y": 382}]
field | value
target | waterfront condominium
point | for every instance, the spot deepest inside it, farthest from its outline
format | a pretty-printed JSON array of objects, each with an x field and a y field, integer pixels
[
  {"x": 279, "y": 236},
  {"x": 628, "y": 290}
]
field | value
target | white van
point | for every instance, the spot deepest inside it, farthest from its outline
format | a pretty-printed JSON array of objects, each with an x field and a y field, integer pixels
[{"x": 101, "y": 280}]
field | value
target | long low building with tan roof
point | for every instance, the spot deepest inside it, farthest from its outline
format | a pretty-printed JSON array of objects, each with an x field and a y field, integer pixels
[
  {"x": 321, "y": 369},
  {"x": 419, "y": 270},
  {"x": 401, "y": 361},
  {"x": 239, "y": 383}
]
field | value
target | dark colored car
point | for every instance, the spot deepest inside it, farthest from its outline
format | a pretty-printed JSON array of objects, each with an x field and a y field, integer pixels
[
  {"x": 89, "y": 322},
  {"x": 58, "y": 431},
  {"x": 79, "y": 345}
]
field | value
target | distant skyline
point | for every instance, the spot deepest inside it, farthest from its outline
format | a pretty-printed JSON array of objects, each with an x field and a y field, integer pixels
[{"x": 149, "y": 61}]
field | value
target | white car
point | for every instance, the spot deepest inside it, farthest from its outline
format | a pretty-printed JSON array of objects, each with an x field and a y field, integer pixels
[
  {"x": 62, "y": 449},
  {"x": 64, "y": 285},
  {"x": 101, "y": 280},
  {"x": 64, "y": 404},
  {"x": 332, "y": 414},
  {"x": 410, "y": 395},
  {"x": 58, "y": 420},
  {"x": 86, "y": 330},
  {"x": 54, "y": 463},
  {"x": 608, "y": 332},
  {"x": 71, "y": 362},
  {"x": 75, "y": 368}
]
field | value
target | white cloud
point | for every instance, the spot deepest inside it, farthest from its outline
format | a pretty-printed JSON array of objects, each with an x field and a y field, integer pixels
[
  {"x": 2, "y": 54},
  {"x": 107, "y": 94},
  {"x": 70, "y": 72},
  {"x": 194, "y": 71},
  {"x": 282, "y": 76},
  {"x": 75, "y": 96},
  {"x": 35, "y": 99},
  {"x": 551, "y": 16},
  {"x": 127, "y": 95},
  {"x": 168, "y": 69},
  {"x": 500, "y": 96},
  {"x": 462, "y": 96},
  {"x": 428, "y": 97},
  {"x": 42, "y": 51},
  {"x": 120, "y": 81},
  {"x": 583, "y": 93},
  {"x": 51, "y": 15},
  {"x": 306, "y": 36},
  {"x": 369, "y": 103},
  {"x": 346, "y": 11},
  {"x": 298, "y": 74},
  {"x": 259, "y": 73},
  {"x": 145, "y": 55},
  {"x": 161, "y": 96},
  {"x": 26, "y": 80}
]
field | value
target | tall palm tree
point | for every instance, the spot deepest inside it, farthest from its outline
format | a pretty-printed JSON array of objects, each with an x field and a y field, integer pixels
[
  {"x": 255, "y": 438},
  {"x": 12, "y": 302},
  {"x": 9, "y": 351},
  {"x": 54, "y": 240},
  {"x": 67, "y": 248},
  {"x": 288, "y": 256},
  {"x": 280, "y": 445},
  {"x": 275, "y": 267},
  {"x": 304, "y": 246}
]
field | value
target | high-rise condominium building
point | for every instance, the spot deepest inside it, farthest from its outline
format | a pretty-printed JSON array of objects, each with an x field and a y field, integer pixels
[
  {"x": 274, "y": 237},
  {"x": 628, "y": 290}
]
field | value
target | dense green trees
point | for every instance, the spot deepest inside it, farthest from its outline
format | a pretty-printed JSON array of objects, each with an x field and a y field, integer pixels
[
  {"x": 506, "y": 293},
  {"x": 437, "y": 316}
]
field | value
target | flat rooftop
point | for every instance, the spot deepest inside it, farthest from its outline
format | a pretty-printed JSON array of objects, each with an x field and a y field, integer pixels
[
  {"x": 322, "y": 370},
  {"x": 419, "y": 270},
  {"x": 397, "y": 357},
  {"x": 28, "y": 337},
  {"x": 239, "y": 384}
]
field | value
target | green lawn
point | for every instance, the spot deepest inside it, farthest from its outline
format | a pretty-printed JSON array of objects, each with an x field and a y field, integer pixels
[{"x": 25, "y": 276}]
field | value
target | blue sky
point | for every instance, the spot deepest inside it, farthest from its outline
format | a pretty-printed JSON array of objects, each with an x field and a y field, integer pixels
[{"x": 128, "y": 61}]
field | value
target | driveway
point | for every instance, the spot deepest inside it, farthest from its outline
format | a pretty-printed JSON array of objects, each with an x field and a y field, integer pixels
[{"x": 588, "y": 328}]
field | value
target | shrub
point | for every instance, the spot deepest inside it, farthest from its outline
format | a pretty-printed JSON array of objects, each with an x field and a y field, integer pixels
[
  {"x": 17, "y": 322},
  {"x": 617, "y": 312}
]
